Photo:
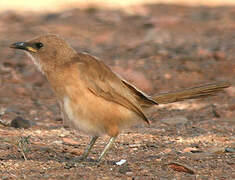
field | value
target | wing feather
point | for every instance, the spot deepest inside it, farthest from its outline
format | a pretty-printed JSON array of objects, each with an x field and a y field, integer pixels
[{"x": 102, "y": 82}]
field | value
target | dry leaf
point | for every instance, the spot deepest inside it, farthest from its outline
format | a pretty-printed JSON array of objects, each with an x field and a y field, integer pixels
[{"x": 180, "y": 168}]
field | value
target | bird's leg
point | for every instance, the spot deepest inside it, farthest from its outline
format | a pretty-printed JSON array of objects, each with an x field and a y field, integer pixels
[
  {"x": 89, "y": 147},
  {"x": 63, "y": 115},
  {"x": 107, "y": 147}
]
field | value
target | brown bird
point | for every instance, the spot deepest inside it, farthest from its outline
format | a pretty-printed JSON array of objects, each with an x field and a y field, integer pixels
[{"x": 92, "y": 97}]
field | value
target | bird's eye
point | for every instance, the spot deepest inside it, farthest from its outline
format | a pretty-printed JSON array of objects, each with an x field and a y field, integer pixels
[{"x": 38, "y": 45}]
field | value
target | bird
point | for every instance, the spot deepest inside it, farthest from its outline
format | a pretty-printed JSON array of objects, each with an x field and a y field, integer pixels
[{"x": 92, "y": 97}]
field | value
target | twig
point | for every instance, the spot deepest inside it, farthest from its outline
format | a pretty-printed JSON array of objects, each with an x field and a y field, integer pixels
[{"x": 23, "y": 143}]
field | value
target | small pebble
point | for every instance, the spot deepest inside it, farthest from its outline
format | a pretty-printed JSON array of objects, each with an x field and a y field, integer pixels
[
  {"x": 217, "y": 150},
  {"x": 57, "y": 142},
  {"x": 121, "y": 162},
  {"x": 175, "y": 120},
  {"x": 231, "y": 150},
  {"x": 129, "y": 173},
  {"x": 20, "y": 122}
]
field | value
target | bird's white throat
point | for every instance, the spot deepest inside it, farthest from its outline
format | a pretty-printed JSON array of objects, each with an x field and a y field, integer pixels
[{"x": 36, "y": 62}]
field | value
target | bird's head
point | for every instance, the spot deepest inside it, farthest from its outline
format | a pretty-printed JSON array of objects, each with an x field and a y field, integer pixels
[{"x": 47, "y": 51}]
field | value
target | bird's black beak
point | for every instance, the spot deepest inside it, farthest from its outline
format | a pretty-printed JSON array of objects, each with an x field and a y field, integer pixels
[
  {"x": 19, "y": 45},
  {"x": 23, "y": 46}
]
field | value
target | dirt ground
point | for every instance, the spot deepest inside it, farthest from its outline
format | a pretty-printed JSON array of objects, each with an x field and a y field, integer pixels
[{"x": 158, "y": 48}]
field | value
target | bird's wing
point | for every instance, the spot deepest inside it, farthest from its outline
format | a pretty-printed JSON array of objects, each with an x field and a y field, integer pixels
[
  {"x": 143, "y": 99},
  {"x": 102, "y": 82}
]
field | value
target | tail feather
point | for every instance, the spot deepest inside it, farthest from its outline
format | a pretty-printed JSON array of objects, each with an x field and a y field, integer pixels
[{"x": 191, "y": 93}]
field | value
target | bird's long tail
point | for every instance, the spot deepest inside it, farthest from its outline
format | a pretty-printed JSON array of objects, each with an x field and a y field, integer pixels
[{"x": 190, "y": 93}]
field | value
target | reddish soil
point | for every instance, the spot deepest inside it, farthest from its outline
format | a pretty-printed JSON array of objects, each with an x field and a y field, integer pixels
[{"x": 161, "y": 48}]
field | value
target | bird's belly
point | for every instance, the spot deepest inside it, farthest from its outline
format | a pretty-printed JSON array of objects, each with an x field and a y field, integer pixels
[
  {"x": 77, "y": 120},
  {"x": 96, "y": 116}
]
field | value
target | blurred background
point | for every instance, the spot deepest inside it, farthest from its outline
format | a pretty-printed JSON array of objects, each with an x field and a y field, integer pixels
[
  {"x": 53, "y": 5},
  {"x": 158, "y": 45}
]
